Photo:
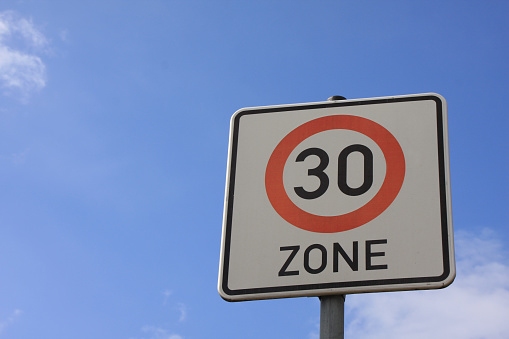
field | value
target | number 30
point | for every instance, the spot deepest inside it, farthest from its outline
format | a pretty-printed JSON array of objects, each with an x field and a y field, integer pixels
[{"x": 342, "y": 175}]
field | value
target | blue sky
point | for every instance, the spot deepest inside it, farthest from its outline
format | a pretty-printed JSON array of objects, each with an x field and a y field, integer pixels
[{"x": 114, "y": 122}]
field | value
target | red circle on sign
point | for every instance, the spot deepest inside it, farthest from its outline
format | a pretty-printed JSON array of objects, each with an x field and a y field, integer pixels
[{"x": 394, "y": 175}]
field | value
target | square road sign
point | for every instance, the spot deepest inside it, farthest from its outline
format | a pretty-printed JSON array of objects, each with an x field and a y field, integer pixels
[{"x": 336, "y": 198}]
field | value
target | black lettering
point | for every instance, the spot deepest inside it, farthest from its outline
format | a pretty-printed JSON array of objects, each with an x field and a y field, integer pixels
[
  {"x": 370, "y": 254},
  {"x": 368, "y": 170},
  {"x": 317, "y": 172},
  {"x": 308, "y": 250},
  {"x": 283, "y": 271},
  {"x": 353, "y": 263}
]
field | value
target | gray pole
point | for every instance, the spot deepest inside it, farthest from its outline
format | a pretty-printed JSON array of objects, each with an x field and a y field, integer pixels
[
  {"x": 332, "y": 308},
  {"x": 332, "y": 317}
]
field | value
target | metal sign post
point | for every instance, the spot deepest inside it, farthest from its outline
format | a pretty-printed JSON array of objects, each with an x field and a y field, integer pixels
[{"x": 332, "y": 317}]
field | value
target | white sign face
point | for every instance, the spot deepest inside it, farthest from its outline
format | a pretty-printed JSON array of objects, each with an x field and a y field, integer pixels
[{"x": 336, "y": 198}]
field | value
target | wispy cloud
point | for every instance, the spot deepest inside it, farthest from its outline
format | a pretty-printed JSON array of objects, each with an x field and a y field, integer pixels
[
  {"x": 183, "y": 312},
  {"x": 181, "y": 307},
  {"x": 476, "y": 305},
  {"x": 160, "y": 333},
  {"x": 22, "y": 71},
  {"x": 314, "y": 334},
  {"x": 64, "y": 35},
  {"x": 10, "y": 319},
  {"x": 166, "y": 295}
]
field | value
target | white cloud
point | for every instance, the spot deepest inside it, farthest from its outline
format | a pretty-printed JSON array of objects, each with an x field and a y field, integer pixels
[
  {"x": 183, "y": 312},
  {"x": 314, "y": 335},
  {"x": 11, "y": 318},
  {"x": 20, "y": 157},
  {"x": 160, "y": 333},
  {"x": 181, "y": 308},
  {"x": 476, "y": 305},
  {"x": 166, "y": 295},
  {"x": 22, "y": 71},
  {"x": 64, "y": 35}
]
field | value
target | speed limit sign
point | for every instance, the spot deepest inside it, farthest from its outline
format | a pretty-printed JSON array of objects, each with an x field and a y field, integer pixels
[{"x": 337, "y": 197}]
